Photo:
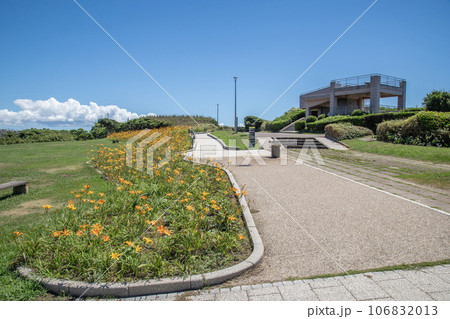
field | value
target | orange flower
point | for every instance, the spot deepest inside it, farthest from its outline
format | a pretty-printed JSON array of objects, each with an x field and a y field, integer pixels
[
  {"x": 84, "y": 226},
  {"x": 189, "y": 207},
  {"x": 18, "y": 233},
  {"x": 96, "y": 231},
  {"x": 79, "y": 233},
  {"x": 90, "y": 192},
  {"x": 137, "y": 207},
  {"x": 86, "y": 186},
  {"x": 241, "y": 236},
  {"x": 244, "y": 193},
  {"x": 163, "y": 230},
  {"x": 101, "y": 201},
  {"x": 115, "y": 256},
  {"x": 147, "y": 240},
  {"x": 144, "y": 197},
  {"x": 47, "y": 206},
  {"x": 151, "y": 222},
  {"x": 66, "y": 232},
  {"x": 129, "y": 243},
  {"x": 57, "y": 233},
  {"x": 105, "y": 238},
  {"x": 137, "y": 248},
  {"x": 232, "y": 218},
  {"x": 101, "y": 194}
]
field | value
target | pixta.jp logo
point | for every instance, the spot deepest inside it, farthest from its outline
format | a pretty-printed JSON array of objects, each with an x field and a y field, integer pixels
[{"x": 141, "y": 146}]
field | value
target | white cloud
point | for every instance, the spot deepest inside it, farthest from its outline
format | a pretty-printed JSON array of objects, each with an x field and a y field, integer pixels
[{"x": 52, "y": 112}]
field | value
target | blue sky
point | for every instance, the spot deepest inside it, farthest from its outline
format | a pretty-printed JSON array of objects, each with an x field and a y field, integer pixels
[{"x": 51, "y": 49}]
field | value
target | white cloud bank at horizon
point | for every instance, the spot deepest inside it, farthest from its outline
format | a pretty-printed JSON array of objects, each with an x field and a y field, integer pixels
[{"x": 71, "y": 112}]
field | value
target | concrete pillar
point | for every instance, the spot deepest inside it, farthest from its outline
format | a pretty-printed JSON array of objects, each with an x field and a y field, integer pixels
[
  {"x": 375, "y": 90},
  {"x": 333, "y": 99},
  {"x": 401, "y": 99}
]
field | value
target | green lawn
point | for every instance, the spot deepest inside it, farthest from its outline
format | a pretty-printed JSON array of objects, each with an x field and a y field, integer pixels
[
  {"x": 239, "y": 139},
  {"x": 52, "y": 170},
  {"x": 420, "y": 153}
]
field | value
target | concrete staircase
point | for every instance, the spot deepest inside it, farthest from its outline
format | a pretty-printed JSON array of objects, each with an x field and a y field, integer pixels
[{"x": 300, "y": 142}]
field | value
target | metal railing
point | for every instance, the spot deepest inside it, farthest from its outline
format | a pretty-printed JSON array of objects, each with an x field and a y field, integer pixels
[{"x": 365, "y": 79}]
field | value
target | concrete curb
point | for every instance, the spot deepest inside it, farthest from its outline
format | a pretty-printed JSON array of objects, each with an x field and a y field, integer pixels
[
  {"x": 159, "y": 286},
  {"x": 225, "y": 147},
  {"x": 336, "y": 141}
]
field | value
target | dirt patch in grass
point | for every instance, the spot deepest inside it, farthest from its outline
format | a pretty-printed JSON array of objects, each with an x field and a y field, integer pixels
[
  {"x": 25, "y": 208},
  {"x": 62, "y": 169}
]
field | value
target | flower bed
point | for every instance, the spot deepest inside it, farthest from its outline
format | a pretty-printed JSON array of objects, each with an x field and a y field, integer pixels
[{"x": 182, "y": 219}]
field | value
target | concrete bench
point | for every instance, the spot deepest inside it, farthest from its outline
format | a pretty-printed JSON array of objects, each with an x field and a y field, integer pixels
[{"x": 19, "y": 187}]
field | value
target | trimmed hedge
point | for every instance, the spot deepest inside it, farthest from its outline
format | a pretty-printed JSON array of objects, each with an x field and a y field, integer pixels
[
  {"x": 370, "y": 121},
  {"x": 426, "y": 129},
  {"x": 358, "y": 113},
  {"x": 300, "y": 125},
  {"x": 346, "y": 131},
  {"x": 287, "y": 118},
  {"x": 311, "y": 119}
]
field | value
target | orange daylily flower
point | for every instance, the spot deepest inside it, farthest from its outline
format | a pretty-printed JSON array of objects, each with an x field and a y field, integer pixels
[
  {"x": 115, "y": 255},
  {"x": 147, "y": 240},
  {"x": 17, "y": 233}
]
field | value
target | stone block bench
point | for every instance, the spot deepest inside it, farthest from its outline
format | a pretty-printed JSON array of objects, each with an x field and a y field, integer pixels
[{"x": 19, "y": 187}]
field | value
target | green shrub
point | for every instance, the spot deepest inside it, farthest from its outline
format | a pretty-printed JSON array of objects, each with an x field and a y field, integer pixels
[
  {"x": 426, "y": 128},
  {"x": 300, "y": 125},
  {"x": 253, "y": 121},
  {"x": 322, "y": 116},
  {"x": 287, "y": 118},
  {"x": 311, "y": 119},
  {"x": 358, "y": 112},
  {"x": 34, "y": 135},
  {"x": 370, "y": 121},
  {"x": 438, "y": 101},
  {"x": 346, "y": 131}
]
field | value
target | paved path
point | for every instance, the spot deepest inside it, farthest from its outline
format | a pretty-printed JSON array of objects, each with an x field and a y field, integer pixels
[
  {"x": 313, "y": 223},
  {"x": 431, "y": 283},
  {"x": 382, "y": 171}
]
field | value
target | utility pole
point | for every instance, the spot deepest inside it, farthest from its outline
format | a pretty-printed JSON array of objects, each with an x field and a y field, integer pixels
[{"x": 235, "y": 107}]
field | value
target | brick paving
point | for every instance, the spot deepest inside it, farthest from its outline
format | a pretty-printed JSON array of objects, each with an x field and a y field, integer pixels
[{"x": 430, "y": 283}]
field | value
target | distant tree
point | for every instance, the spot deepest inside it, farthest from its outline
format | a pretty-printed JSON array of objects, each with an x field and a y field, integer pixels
[{"x": 438, "y": 101}]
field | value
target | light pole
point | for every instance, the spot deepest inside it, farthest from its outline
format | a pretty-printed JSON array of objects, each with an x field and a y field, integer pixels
[
  {"x": 217, "y": 114},
  {"x": 235, "y": 103}
]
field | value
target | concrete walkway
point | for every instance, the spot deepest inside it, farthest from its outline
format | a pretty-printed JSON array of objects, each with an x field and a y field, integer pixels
[
  {"x": 313, "y": 224},
  {"x": 431, "y": 283}
]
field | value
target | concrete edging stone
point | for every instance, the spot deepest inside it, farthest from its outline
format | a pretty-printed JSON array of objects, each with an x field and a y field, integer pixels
[
  {"x": 225, "y": 147},
  {"x": 158, "y": 286}
]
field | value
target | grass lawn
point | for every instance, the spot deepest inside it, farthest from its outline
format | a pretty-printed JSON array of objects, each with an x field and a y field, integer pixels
[
  {"x": 52, "y": 170},
  {"x": 230, "y": 139},
  {"x": 420, "y": 153}
]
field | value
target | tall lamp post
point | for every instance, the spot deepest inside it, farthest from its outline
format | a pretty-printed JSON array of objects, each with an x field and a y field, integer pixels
[
  {"x": 235, "y": 103},
  {"x": 217, "y": 114}
]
